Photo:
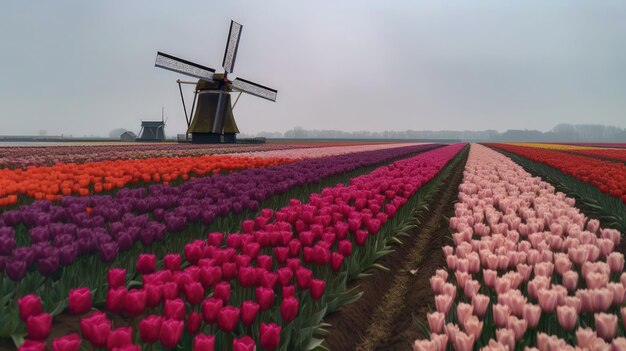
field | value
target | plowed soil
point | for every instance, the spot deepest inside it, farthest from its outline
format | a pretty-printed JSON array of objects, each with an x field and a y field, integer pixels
[{"x": 387, "y": 315}]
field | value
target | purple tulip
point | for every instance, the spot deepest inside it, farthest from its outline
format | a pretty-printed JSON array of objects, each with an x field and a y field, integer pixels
[
  {"x": 67, "y": 254},
  {"x": 108, "y": 251},
  {"x": 7, "y": 244},
  {"x": 16, "y": 269}
]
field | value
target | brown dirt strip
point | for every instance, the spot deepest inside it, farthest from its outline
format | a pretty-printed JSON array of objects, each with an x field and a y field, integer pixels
[{"x": 385, "y": 316}]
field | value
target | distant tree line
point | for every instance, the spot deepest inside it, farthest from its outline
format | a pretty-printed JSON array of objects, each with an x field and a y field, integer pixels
[{"x": 560, "y": 133}]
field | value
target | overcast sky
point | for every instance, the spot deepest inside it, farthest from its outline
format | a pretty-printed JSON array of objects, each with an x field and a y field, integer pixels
[{"x": 81, "y": 67}]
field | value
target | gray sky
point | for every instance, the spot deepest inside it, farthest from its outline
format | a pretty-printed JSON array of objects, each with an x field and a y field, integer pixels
[{"x": 81, "y": 67}]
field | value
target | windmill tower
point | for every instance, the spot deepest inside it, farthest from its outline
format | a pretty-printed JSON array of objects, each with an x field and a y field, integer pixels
[
  {"x": 213, "y": 120},
  {"x": 153, "y": 130}
]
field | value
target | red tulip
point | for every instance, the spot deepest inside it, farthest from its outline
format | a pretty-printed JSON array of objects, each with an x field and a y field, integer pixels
[
  {"x": 193, "y": 253},
  {"x": 227, "y": 319},
  {"x": 210, "y": 309},
  {"x": 79, "y": 301},
  {"x": 268, "y": 279},
  {"x": 361, "y": 237},
  {"x": 172, "y": 262},
  {"x": 210, "y": 276},
  {"x": 285, "y": 275},
  {"x": 289, "y": 308},
  {"x": 120, "y": 337},
  {"x": 229, "y": 270},
  {"x": 203, "y": 342},
  {"x": 96, "y": 328},
  {"x": 265, "y": 261},
  {"x": 288, "y": 290},
  {"x": 336, "y": 260},
  {"x": 222, "y": 291},
  {"x": 264, "y": 297},
  {"x": 345, "y": 248},
  {"x": 247, "y": 277},
  {"x": 249, "y": 311},
  {"x": 150, "y": 329},
  {"x": 247, "y": 226},
  {"x": 69, "y": 342},
  {"x": 135, "y": 302},
  {"x": 129, "y": 347},
  {"x": 174, "y": 309},
  {"x": 171, "y": 332},
  {"x": 215, "y": 239},
  {"x": 270, "y": 336},
  {"x": 146, "y": 263},
  {"x": 38, "y": 326},
  {"x": 116, "y": 277},
  {"x": 316, "y": 288},
  {"x": 154, "y": 294},
  {"x": 29, "y": 305},
  {"x": 281, "y": 253},
  {"x": 116, "y": 299},
  {"x": 303, "y": 277},
  {"x": 32, "y": 345},
  {"x": 243, "y": 344},
  {"x": 170, "y": 291},
  {"x": 194, "y": 292},
  {"x": 194, "y": 322}
]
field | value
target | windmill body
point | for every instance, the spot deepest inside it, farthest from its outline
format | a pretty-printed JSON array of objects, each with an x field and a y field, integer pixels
[{"x": 213, "y": 120}]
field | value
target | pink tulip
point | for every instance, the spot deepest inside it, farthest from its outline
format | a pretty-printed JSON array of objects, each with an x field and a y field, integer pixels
[
  {"x": 442, "y": 273},
  {"x": 473, "y": 327},
  {"x": 618, "y": 293},
  {"x": 461, "y": 278},
  {"x": 606, "y": 325},
  {"x": 596, "y": 280},
  {"x": 436, "y": 284},
  {"x": 451, "y": 331},
  {"x": 532, "y": 314},
  {"x": 602, "y": 299},
  {"x": 463, "y": 342},
  {"x": 570, "y": 280},
  {"x": 450, "y": 290},
  {"x": 441, "y": 340},
  {"x": 506, "y": 337},
  {"x": 567, "y": 317},
  {"x": 497, "y": 346},
  {"x": 623, "y": 313},
  {"x": 489, "y": 277},
  {"x": 616, "y": 262},
  {"x": 471, "y": 288},
  {"x": 562, "y": 264},
  {"x": 501, "y": 315},
  {"x": 443, "y": 303},
  {"x": 573, "y": 302},
  {"x": 585, "y": 337},
  {"x": 451, "y": 262},
  {"x": 547, "y": 299},
  {"x": 436, "y": 321},
  {"x": 618, "y": 344},
  {"x": 424, "y": 345},
  {"x": 463, "y": 311},
  {"x": 518, "y": 326},
  {"x": 480, "y": 303},
  {"x": 525, "y": 271}
]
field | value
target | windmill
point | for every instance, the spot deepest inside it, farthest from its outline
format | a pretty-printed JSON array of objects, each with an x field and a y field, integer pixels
[
  {"x": 213, "y": 120},
  {"x": 153, "y": 130}
]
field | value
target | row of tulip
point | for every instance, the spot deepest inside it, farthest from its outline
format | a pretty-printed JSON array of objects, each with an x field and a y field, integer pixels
[
  {"x": 609, "y": 177},
  {"x": 556, "y": 146},
  {"x": 53, "y": 236},
  {"x": 527, "y": 270},
  {"x": 52, "y": 182},
  {"x": 609, "y": 153},
  {"x": 266, "y": 288},
  {"x": 320, "y": 151},
  {"x": 22, "y": 157}
]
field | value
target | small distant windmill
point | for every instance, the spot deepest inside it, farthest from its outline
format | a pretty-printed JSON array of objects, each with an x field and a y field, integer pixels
[
  {"x": 153, "y": 130},
  {"x": 213, "y": 121}
]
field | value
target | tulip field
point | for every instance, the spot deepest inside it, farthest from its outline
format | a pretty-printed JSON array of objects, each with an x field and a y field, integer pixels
[{"x": 313, "y": 246}]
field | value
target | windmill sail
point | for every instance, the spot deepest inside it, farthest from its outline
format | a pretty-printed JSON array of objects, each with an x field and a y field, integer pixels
[
  {"x": 179, "y": 65},
  {"x": 232, "y": 44},
  {"x": 255, "y": 89}
]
